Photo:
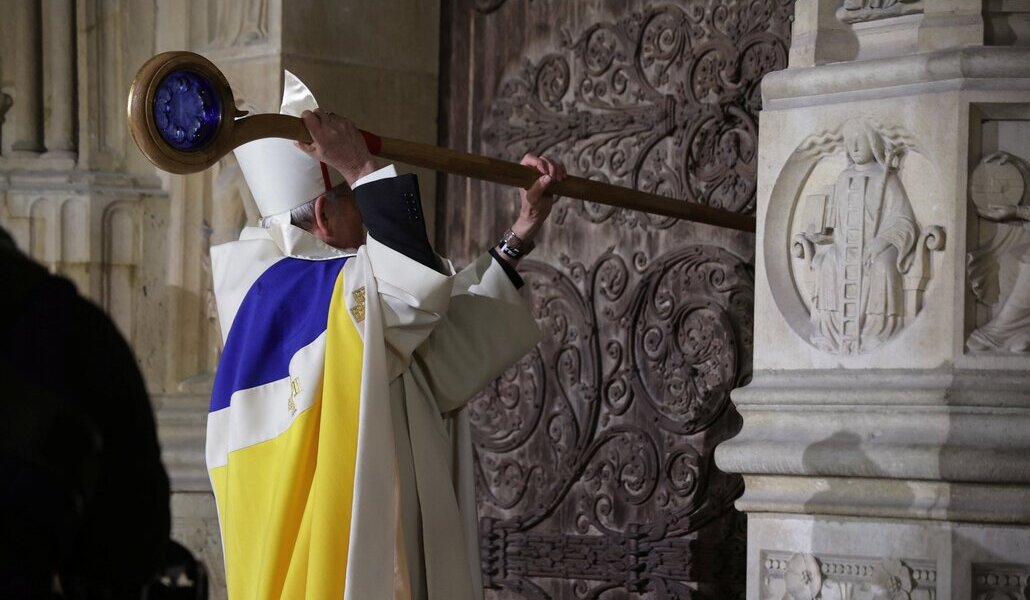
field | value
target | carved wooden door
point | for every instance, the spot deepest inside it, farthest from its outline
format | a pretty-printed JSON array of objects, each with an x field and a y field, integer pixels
[{"x": 594, "y": 455}]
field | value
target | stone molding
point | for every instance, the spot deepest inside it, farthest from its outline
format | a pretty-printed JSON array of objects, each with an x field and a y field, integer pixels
[
  {"x": 867, "y": 442},
  {"x": 1001, "y": 581},
  {"x": 802, "y": 576},
  {"x": 951, "y": 69},
  {"x": 938, "y": 445},
  {"x": 937, "y": 388},
  {"x": 877, "y": 498}
]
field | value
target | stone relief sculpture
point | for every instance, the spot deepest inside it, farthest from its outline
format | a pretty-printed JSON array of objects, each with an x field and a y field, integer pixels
[
  {"x": 864, "y": 250},
  {"x": 856, "y": 11},
  {"x": 802, "y": 576},
  {"x": 998, "y": 191}
]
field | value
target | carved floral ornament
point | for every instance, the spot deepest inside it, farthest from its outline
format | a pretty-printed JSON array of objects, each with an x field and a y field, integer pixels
[
  {"x": 637, "y": 363},
  {"x": 664, "y": 100},
  {"x": 802, "y": 576},
  {"x": 846, "y": 206}
]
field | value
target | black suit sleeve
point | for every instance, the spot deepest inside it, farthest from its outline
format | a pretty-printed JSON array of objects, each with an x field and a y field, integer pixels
[{"x": 392, "y": 211}]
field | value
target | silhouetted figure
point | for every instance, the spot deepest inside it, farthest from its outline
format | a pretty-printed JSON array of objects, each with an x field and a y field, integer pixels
[{"x": 83, "y": 493}]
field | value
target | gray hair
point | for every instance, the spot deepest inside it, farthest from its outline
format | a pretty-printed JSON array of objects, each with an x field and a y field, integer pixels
[{"x": 303, "y": 216}]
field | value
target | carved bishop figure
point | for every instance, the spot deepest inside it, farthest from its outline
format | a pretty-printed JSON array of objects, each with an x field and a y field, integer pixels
[{"x": 859, "y": 300}]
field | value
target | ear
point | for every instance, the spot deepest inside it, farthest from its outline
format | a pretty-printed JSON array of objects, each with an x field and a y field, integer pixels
[{"x": 323, "y": 228}]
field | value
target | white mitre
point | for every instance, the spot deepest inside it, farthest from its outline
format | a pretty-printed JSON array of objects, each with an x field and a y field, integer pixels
[{"x": 280, "y": 176}]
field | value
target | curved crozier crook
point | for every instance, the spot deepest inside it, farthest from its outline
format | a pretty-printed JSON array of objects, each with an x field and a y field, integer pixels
[{"x": 182, "y": 114}]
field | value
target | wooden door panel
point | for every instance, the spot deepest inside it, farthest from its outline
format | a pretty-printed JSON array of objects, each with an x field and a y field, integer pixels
[{"x": 594, "y": 453}]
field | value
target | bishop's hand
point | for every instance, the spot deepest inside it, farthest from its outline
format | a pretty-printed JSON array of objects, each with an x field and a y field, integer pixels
[
  {"x": 536, "y": 203},
  {"x": 336, "y": 141}
]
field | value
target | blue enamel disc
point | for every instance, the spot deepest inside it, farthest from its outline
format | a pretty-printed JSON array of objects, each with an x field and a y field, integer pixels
[{"x": 187, "y": 110}]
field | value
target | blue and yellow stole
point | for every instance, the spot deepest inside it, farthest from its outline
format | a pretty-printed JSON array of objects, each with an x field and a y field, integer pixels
[{"x": 283, "y": 433}]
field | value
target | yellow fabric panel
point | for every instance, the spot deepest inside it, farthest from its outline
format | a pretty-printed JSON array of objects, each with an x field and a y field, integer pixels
[
  {"x": 218, "y": 482},
  {"x": 267, "y": 487},
  {"x": 332, "y": 492},
  {"x": 285, "y": 504}
]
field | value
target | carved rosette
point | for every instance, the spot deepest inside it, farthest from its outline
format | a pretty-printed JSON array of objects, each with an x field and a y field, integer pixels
[
  {"x": 804, "y": 577},
  {"x": 664, "y": 100},
  {"x": 608, "y": 426}
]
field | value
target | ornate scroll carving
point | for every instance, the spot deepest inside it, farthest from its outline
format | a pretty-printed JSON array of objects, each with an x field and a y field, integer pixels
[
  {"x": 802, "y": 576},
  {"x": 664, "y": 100},
  {"x": 998, "y": 189},
  {"x": 1001, "y": 582},
  {"x": 863, "y": 260},
  {"x": 856, "y": 11},
  {"x": 594, "y": 451}
]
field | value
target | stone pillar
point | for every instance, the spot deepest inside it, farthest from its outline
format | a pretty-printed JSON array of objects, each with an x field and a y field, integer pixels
[
  {"x": 885, "y": 448},
  {"x": 59, "y": 78},
  {"x": 27, "y": 137}
]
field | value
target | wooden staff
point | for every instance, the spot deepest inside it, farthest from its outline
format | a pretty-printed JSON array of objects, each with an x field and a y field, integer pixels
[{"x": 182, "y": 116}]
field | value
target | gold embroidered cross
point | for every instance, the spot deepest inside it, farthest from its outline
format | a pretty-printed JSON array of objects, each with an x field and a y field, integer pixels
[
  {"x": 294, "y": 390},
  {"x": 358, "y": 310}
]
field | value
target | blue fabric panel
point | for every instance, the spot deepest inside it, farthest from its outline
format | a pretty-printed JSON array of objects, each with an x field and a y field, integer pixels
[{"x": 285, "y": 310}]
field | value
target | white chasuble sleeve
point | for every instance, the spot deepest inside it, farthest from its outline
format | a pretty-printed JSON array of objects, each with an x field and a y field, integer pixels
[{"x": 487, "y": 328}]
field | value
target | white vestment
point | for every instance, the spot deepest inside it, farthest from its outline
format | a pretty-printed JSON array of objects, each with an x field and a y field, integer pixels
[{"x": 431, "y": 341}]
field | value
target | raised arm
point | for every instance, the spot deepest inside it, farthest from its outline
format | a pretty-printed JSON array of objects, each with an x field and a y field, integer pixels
[{"x": 488, "y": 326}]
